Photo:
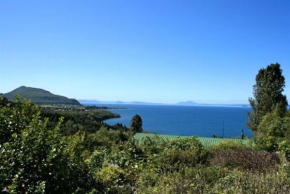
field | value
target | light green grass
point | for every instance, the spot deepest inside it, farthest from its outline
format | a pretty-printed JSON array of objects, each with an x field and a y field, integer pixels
[{"x": 206, "y": 141}]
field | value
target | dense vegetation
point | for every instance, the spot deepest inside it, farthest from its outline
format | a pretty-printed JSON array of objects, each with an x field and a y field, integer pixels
[
  {"x": 40, "y": 96},
  {"x": 270, "y": 119},
  {"x": 88, "y": 118},
  {"x": 268, "y": 95},
  {"x": 38, "y": 158}
]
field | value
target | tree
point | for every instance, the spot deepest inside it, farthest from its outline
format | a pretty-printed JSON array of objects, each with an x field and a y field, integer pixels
[
  {"x": 268, "y": 95},
  {"x": 136, "y": 124}
]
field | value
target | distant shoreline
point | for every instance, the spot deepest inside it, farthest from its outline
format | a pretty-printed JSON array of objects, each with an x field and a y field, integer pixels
[{"x": 103, "y": 103}]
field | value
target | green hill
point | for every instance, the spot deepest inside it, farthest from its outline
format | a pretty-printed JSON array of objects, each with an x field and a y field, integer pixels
[{"x": 40, "y": 96}]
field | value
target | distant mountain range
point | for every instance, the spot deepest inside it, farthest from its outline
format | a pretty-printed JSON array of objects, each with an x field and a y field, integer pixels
[
  {"x": 83, "y": 101},
  {"x": 40, "y": 96},
  {"x": 186, "y": 103}
]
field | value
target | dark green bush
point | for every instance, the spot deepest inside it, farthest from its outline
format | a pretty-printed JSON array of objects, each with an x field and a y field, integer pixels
[{"x": 181, "y": 153}]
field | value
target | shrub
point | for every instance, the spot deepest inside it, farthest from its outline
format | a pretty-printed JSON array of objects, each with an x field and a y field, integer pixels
[
  {"x": 200, "y": 180},
  {"x": 284, "y": 147},
  {"x": 152, "y": 145},
  {"x": 32, "y": 157},
  {"x": 245, "y": 159},
  {"x": 188, "y": 180},
  {"x": 272, "y": 130},
  {"x": 229, "y": 145},
  {"x": 238, "y": 182},
  {"x": 113, "y": 179},
  {"x": 181, "y": 153}
]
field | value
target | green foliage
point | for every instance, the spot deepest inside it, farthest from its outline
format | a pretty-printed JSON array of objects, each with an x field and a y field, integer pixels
[
  {"x": 14, "y": 117},
  {"x": 246, "y": 182},
  {"x": 152, "y": 145},
  {"x": 215, "y": 179},
  {"x": 31, "y": 156},
  {"x": 180, "y": 153},
  {"x": 268, "y": 95},
  {"x": 77, "y": 119},
  {"x": 36, "y": 158},
  {"x": 136, "y": 124},
  {"x": 229, "y": 145},
  {"x": 274, "y": 125},
  {"x": 270, "y": 120},
  {"x": 274, "y": 133},
  {"x": 284, "y": 147},
  {"x": 113, "y": 179},
  {"x": 96, "y": 160}
]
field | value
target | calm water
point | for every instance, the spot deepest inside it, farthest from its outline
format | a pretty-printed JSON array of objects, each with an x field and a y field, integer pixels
[{"x": 186, "y": 120}]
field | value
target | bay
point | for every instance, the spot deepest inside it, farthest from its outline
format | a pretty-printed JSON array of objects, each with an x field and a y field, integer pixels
[{"x": 203, "y": 121}]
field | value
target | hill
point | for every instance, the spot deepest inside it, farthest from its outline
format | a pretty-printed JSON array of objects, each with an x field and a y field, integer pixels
[
  {"x": 40, "y": 96},
  {"x": 187, "y": 103}
]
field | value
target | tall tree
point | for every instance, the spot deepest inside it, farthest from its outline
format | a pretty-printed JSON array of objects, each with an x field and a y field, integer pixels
[
  {"x": 267, "y": 94},
  {"x": 136, "y": 124}
]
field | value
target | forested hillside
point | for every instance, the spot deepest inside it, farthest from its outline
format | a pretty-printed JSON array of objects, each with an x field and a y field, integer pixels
[{"x": 40, "y": 96}]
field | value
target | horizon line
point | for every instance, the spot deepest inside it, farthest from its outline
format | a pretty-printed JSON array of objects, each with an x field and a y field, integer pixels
[{"x": 186, "y": 103}]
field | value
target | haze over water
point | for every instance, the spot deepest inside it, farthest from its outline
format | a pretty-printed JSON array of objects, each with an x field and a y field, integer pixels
[{"x": 204, "y": 121}]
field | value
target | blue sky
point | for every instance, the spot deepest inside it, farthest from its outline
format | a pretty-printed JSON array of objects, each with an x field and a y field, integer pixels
[{"x": 147, "y": 50}]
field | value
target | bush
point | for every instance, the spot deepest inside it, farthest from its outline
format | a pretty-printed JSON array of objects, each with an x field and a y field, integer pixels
[
  {"x": 284, "y": 147},
  {"x": 200, "y": 180},
  {"x": 33, "y": 158},
  {"x": 181, "y": 153},
  {"x": 152, "y": 145},
  {"x": 245, "y": 159},
  {"x": 229, "y": 145},
  {"x": 113, "y": 180},
  {"x": 272, "y": 130},
  {"x": 247, "y": 182}
]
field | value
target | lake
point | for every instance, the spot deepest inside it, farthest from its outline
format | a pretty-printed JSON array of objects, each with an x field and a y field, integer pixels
[{"x": 204, "y": 121}]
